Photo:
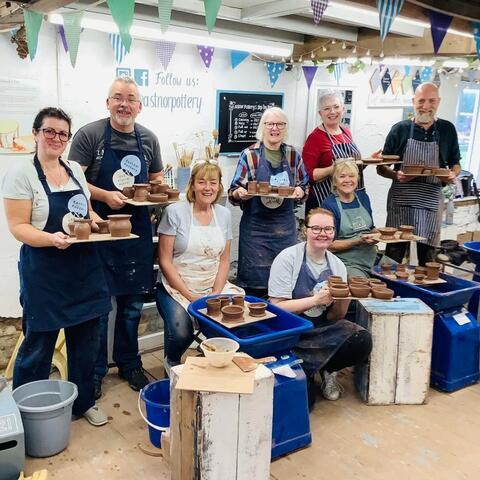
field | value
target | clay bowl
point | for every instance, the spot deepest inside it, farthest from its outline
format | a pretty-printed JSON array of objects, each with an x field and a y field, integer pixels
[
  {"x": 141, "y": 192},
  {"x": 129, "y": 192},
  {"x": 358, "y": 279},
  {"x": 386, "y": 268},
  {"x": 401, "y": 267},
  {"x": 338, "y": 285},
  {"x": 382, "y": 293},
  {"x": 443, "y": 172},
  {"x": 335, "y": 279},
  {"x": 162, "y": 188},
  {"x": 232, "y": 313},
  {"x": 340, "y": 292},
  {"x": 257, "y": 309},
  {"x": 103, "y": 227},
  {"x": 82, "y": 228},
  {"x": 407, "y": 232},
  {"x": 387, "y": 233},
  {"x": 120, "y": 225},
  {"x": 224, "y": 300},
  {"x": 252, "y": 186},
  {"x": 157, "y": 186},
  {"x": 263, "y": 188},
  {"x": 238, "y": 300},
  {"x": 402, "y": 276},
  {"x": 433, "y": 269},
  {"x": 412, "y": 169},
  {"x": 283, "y": 191},
  {"x": 375, "y": 283},
  {"x": 420, "y": 270},
  {"x": 173, "y": 193},
  {"x": 213, "y": 306},
  {"x": 360, "y": 291},
  {"x": 157, "y": 197},
  {"x": 219, "y": 351},
  {"x": 419, "y": 277}
]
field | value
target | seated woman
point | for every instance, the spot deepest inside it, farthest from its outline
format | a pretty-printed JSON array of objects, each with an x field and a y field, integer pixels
[
  {"x": 351, "y": 209},
  {"x": 298, "y": 284},
  {"x": 194, "y": 256}
]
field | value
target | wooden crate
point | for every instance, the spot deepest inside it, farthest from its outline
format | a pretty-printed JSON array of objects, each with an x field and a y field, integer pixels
[
  {"x": 221, "y": 436},
  {"x": 398, "y": 370}
]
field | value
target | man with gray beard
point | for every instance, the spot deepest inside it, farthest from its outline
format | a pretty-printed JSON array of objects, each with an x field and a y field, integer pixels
[{"x": 418, "y": 200}]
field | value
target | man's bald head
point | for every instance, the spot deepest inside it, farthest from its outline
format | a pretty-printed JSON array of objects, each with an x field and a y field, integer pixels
[{"x": 425, "y": 102}]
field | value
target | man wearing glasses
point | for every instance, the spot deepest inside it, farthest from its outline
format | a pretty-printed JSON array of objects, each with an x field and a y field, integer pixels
[{"x": 116, "y": 152}]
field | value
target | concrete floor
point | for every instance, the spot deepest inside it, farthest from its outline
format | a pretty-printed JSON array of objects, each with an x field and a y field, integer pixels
[{"x": 439, "y": 440}]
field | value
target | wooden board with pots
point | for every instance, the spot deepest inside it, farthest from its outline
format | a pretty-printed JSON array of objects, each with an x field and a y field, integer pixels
[
  {"x": 273, "y": 195},
  {"x": 148, "y": 203},
  {"x": 396, "y": 239},
  {"x": 376, "y": 161},
  {"x": 411, "y": 279},
  {"x": 411, "y": 175},
  {"x": 101, "y": 237}
]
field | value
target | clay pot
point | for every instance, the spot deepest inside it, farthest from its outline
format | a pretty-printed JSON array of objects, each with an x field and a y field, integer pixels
[
  {"x": 238, "y": 300},
  {"x": 382, "y": 293},
  {"x": 283, "y": 191},
  {"x": 420, "y": 270},
  {"x": 224, "y": 300},
  {"x": 103, "y": 227},
  {"x": 358, "y": 281},
  {"x": 213, "y": 306},
  {"x": 386, "y": 268},
  {"x": 232, "y": 313},
  {"x": 402, "y": 276},
  {"x": 340, "y": 292},
  {"x": 129, "y": 192},
  {"x": 401, "y": 267},
  {"x": 157, "y": 197},
  {"x": 335, "y": 279},
  {"x": 273, "y": 189},
  {"x": 407, "y": 232},
  {"x": 173, "y": 193},
  {"x": 374, "y": 283},
  {"x": 419, "y": 277},
  {"x": 120, "y": 225},
  {"x": 141, "y": 192},
  {"x": 263, "y": 188},
  {"x": 257, "y": 309},
  {"x": 412, "y": 169},
  {"x": 157, "y": 186},
  {"x": 387, "y": 233},
  {"x": 433, "y": 269},
  {"x": 71, "y": 228},
  {"x": 252, "y": 186},
  {"x": 443, "y": 172},
  {"x": 360, "y": 291},
  {"x": 82, "y": 228}
]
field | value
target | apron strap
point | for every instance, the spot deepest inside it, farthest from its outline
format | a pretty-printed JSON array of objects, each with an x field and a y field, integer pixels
[{"x": 43, "y": 178}]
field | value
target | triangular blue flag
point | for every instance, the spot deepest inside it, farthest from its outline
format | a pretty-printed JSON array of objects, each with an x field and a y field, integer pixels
[
  {"x": 387, "y": 11},
  {"x": 237, "y": 57},
  {"x": 274, "y": 71}
]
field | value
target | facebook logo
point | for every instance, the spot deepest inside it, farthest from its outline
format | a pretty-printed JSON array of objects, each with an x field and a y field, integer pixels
[
  {"x": 141, "y": 77},
  {"x": 123, "y": 72}
]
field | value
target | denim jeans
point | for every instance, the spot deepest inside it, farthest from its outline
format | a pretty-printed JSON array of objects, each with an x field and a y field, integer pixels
[
  {"x": 177, "y": 324},
  {"x": 34, "y": 359},
  {"x": 125, "y": 340}
]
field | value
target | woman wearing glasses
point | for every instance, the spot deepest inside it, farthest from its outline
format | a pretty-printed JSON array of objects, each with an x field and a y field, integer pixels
[
  {"x": 328, "y": 142},
  {"x": 298, "y": 284},
  {"x": 61, "y": 285},
  {"x": 194, "y": 256},
  {"x": 268, "y": 224}
]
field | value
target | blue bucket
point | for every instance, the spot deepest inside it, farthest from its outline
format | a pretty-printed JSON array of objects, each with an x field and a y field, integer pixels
[{"x": 156, "y": 396}]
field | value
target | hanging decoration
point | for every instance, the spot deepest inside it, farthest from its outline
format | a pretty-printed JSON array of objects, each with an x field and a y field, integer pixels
[
  {"x": 338, "y": 72},
  {"x": 164, "y": 51},
  {"x": 72, "y": 27},
  {"x": 33, "y": 22},
  {"x": 426, "y": 74},
  {"x": 387, "y": 11},
  {"x": 122, "y": 14},
  {"x": 439, "y": 23},
  {"x": 407, "y": 83},
  {"x": 476, "y": 36},
  {"x": 206, "y": 54},
  {"x": 237, "y": 57},
  {"x": 309, "y": 73},
  {"x": 164, "y": 13},
  {"x": 318, "y": 9},
  {"x": 61, "y": 32},
  {"x": 436, "y": 79},
  {"x": 375, "y": 80},
  {"x": 416, "y": 81},
  {"x": 386, "y": 81},
  {"x": 396, "y": 82},
  {"x": 274, "y": 71},
  {"x": 211, "y": 11},
  {"x": 118, "y": 48}
]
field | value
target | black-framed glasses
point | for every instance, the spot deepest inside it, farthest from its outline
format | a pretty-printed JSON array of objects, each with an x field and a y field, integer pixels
[
  {"x": 119, "y": 99},
  {"x": 272, "y": 125},
  {"x": 317, "y": 229},
  {"x": 51, "y": 133}
]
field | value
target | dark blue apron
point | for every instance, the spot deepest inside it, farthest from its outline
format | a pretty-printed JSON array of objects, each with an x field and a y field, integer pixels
[
  {"x": 128, "y": 264},
  {"x": 264, "y": 231},
  {"x": 61, "y": 288},
  {"x": 317, "y": 346}
]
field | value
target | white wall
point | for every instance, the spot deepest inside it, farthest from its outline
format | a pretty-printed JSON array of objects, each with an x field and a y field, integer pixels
[{"x": 82, "y": 92}]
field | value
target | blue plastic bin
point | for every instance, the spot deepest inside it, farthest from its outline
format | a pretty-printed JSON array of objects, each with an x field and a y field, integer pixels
[{"x": 266, "y": 337}]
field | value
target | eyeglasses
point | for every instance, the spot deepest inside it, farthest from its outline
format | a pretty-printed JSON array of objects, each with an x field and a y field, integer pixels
[
  {"x": 279, "y": 125},
  {"x": 317, "y": 229},
  {"x": 51, "y": 133},
  {"x": 333, "y": 108},
  {"x": 118, "y": 99}
]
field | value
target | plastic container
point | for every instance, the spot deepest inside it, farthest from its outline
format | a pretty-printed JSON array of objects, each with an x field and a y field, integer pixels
[
  {"x": 46, "y": 410},
  {"x": 258, "y": 339},
  {"x": 156, "y": 396},
  {"x": 224, "y": 350}
]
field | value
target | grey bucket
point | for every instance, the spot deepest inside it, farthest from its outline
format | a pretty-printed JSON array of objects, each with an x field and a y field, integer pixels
[{"x": 46, "y": 409}]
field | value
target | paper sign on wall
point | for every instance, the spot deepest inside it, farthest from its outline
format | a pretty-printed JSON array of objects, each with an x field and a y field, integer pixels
[
  {"x": 375, "y": 80},
  {"x": 386, "y": 81}
]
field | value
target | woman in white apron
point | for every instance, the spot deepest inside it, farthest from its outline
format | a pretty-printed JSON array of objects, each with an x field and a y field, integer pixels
[{"x": 194, "y": 256}]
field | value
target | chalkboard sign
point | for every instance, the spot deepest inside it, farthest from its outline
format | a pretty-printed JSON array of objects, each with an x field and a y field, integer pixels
[{"x": 238, "y": 115}]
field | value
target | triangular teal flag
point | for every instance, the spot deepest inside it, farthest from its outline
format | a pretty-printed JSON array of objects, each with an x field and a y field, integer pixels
[
  {"x": 164, "y": 13},
  {"x": 237, "y": 57},
  {"x": 72, "y": 28},
  {"x": 122, "y": 14},
  {"x": 33, "y": 22},
  {"x": 274, "y": 71},
  {"x": 211, "y": 11}
]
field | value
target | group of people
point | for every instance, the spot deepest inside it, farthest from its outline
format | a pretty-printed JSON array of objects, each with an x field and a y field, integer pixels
[{"x": 72, "y": 288}]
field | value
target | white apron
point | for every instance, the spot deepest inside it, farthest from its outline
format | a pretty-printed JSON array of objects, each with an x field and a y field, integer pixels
[{"x": 198, "y": 264}]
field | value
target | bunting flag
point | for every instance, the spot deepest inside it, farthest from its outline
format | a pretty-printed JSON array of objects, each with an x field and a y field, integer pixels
[
  {"x": 416, "y": 81},
  {"x": 407, "y": 69},
  {"x": 387, "y": 11},
  {"x": 439, "y": 23},
  {"x": 309, "y": 73},
  {"x": 476, "y": 36},
  {"x": 118, "y": 48},
  {"x": 206, "y": 54},
  {"x": 338, "y": 72},
  {"x": 396, "y": 82},
  {"x": 61, "y": 32},
  {"x": 164, "y": 13},
  {"x": 375, "y": 80},
  {"x": 274, "y": 71},
  {"x": 436, "y": 79},
  {"x": 211, "y": 11},
  {"x": 72, "y": 27},
  {"x": 386, "y": 81},
  {"x": 426, "y": 74},
  {"x": 33, "y": 22},
  {"x": 237, "y": 57},
  {"x": 407, "y": 83},
  {"x": 318, "y": 9},
  {"x": 164, "y": 51},
  {"x": 122, "y": 14}
]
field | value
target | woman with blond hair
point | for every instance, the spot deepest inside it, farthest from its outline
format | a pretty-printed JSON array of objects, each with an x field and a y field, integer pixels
[
  {"x": 268, "y": 224},
  {"x": 194, "y": 256}
]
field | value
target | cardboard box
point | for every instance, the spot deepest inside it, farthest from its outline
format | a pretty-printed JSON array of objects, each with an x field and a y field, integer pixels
[
  {"x": 476, "y": 236},
  {"x": 464, "y": 237}
]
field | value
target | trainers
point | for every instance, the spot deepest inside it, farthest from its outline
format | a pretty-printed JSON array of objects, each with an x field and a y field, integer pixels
[
  {"x": 98, "y": 390},
  {"x": 136, "y": 378},
  {"x": 95, "y": 416},
  {"x": 330, "y": 387}
]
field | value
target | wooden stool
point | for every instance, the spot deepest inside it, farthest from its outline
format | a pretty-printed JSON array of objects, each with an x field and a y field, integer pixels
[{"x": 59, "y": 358}]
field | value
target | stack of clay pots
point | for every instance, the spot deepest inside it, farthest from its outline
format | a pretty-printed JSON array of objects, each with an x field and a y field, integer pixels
[
  {"x": 359, "y": 287},
  {"x": 264, "y": 188},
  {"x": 156, "y": 191}
]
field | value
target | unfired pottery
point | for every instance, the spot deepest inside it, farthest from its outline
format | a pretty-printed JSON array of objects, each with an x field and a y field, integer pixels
[
  {"x": 103, "y": 227},
  {"x": 339, "y": 291},
  {"x": 173, "y": 193},
  {"x": 213, "y": 306},
  {"x": 82, "y": 228},
  {"x": 433, "y": 269},
  {"x": 257, "y": 309},
  {"x": 360, "y": 291},
  {"x": 412, "y": 169},
  {"x": 129, "y": 192},
  {"x": 283, "y": 191},
  {"x": 387, "y": 233},
  {"x": 224, "y": 300},
  {"x": 401, "y": 267},
  {"x": 252, "y": 186},
  {"x": 419, "y": 277},
  {"x": 238, "y": 300},
  {"x": 421, "y": 270},
  {"x": 141, "y": 192},
  {"x": 71, "y": 228},
  {"x": 157, "y": 197},
  {"x": 232, "y": 313},
  {"x": 386, "y": 268},
  {"x": 382, "y": 293},
  {"x": 263, "y": 188},
  {"x": 120, "y": 225},
  {"x": 407, "y": 232},
  {"x": 402, "y": 275}
]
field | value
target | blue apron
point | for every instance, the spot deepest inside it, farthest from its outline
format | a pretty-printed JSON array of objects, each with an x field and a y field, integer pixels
[
  {"x": 61, "y": 288},
  {"x": 267, "y": 226},
  {"x": 317, "y": 346},
  {"x": 128, "y": 264}
]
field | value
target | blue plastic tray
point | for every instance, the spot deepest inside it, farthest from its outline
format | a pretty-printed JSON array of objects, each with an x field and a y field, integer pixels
[
  {"x": 440, "y": 296},
  {"x": 258, "y": 339}
]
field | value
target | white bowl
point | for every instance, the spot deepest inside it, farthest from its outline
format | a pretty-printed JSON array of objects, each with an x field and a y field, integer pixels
[{"x": 224, "y": 350}]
